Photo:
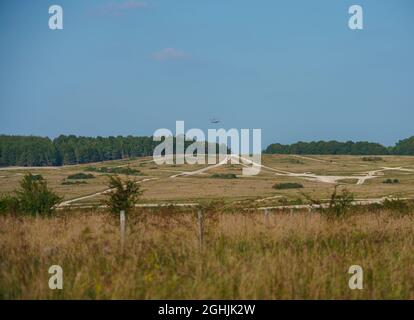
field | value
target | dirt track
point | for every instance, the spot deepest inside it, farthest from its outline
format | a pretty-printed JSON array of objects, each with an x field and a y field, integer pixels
[{"x": 332, "y": 179}]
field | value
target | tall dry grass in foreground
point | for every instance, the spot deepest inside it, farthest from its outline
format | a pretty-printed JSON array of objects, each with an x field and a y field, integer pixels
[{"x": 294, "y": 256}]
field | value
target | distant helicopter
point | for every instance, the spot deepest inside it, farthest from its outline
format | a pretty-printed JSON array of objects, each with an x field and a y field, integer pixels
[{"x": 214, "y": 120}]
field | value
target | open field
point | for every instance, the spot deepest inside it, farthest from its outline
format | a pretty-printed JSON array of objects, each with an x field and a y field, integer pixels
[
  {"x": 192, "y": 183},
  {"x": 247, "y": 253},
  {"x": 296, "y": 255}
]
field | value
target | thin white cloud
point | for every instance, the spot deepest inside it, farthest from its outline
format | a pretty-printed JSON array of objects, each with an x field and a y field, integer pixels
[
  {"x": 169, "y": 54},
  {"x": 120, "y": 8}
]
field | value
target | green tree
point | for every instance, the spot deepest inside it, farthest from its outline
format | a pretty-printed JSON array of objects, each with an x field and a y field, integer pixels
[
  {"x": 34, "y": 196},
  {"x": 124, "y": 194},
  {"x": 404, "y": 147},
  {"x": 340, "y": 204}
]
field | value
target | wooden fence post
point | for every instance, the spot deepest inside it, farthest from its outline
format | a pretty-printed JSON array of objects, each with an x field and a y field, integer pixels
[
  {"x": 122, "y": 228},
  {"x": 200, "y": 227},
  {"x": 266, "y": 213}
]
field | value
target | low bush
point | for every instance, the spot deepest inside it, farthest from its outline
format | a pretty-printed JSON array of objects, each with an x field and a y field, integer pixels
[
  {"x": 33, "y": 197},
  {"x": 397, "y": 206},
  {"x": 115, "y": 170},
  {"x": 71, "y": 183},
  {"x": 391, "y": 181},
  {"x": 223, "y": 176},
  {"x": 372, "y": 159},
  {"x": 80, "y": 176},
  {"x": 339, "y": 205},
  {"x": 288, "y": 185},
  {"x": 9, "y": 204}
]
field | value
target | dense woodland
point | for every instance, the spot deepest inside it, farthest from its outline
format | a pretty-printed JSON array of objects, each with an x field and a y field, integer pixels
[
  {"x": 403, "y": 147},
  {"x": 64, "y": 150},
  {"x": 39, "y": 151}
]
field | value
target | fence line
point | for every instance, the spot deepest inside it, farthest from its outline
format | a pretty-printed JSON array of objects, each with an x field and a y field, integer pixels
[{"x": 266, "y": 210}]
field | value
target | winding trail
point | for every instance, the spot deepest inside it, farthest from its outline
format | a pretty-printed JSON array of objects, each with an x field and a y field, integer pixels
[
  {"x": 333, "y": 179},
  {"x": 310, "y": 158},
  {"x": 329, "y": 178},
  {"x": 202, "y": 170},
  {"x": 69, "y": 202}
]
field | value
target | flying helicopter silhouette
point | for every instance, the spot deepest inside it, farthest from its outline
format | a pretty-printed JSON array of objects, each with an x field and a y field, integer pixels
[{"x": 214, "y": 120}]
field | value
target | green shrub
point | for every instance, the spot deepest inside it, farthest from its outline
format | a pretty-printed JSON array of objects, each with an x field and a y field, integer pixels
[
  {"x": 397, "y": 206},
  {"x": 223, "y": 176},
  {"x": 80, "y": 176},
  {"x": 339, "y": 205},
  {"x": 391, "y": 181},
  {"x": 34, "y": 196},
  {"x": 37, "y": 177},
  {"x": 372, "y": 159},
  {"x": 124, "y": 194},
  {"x": 287, "y": 185},
  {"x": 116, "y": 170},
  {"x": 9, "y": 204},
  {"x": 71, "y": 183}
]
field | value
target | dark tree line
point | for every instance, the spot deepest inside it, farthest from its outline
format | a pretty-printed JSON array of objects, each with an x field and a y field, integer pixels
[
  {"x": 403, "y": 147},
  {"x": 67, "y": 150},
  {"x": 27, "y": 151},
  {"x": 64, "y": 150},
  {"x": 74, "y": 150}
]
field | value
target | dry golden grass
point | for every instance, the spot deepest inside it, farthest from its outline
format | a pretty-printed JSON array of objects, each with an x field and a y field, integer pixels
[{"x": 294, "y": 256}]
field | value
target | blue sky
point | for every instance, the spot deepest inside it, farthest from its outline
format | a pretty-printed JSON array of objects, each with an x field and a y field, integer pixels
[{"x": 292, "y": 68}]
